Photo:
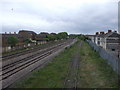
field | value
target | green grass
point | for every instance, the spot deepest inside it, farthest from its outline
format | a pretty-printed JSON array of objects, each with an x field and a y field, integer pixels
[
  {"x": 53, "y": 75},
  {"x": 94, "y": 71}
]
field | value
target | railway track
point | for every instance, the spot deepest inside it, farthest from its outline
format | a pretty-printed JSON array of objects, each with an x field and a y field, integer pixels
[
  {"x": 27, "y": 58},
  {"x": 18, "y": 58},
  {"x": 11, "y": 68},
  {"x": 6, "y": 57},
  {"x": 72, "y": 78},
  {"x": 11, "y": 72}
]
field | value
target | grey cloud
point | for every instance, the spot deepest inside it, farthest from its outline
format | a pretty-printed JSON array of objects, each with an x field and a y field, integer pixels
[{"x": 86, "y": 19}]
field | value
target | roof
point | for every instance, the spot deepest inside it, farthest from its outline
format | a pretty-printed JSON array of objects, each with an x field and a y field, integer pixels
[
  {"x": 100, "y": 35},
  {"x": 8, "y": 35},
  {"x": 30, "y": 32},
  {"x": 41, "y": 35},
  {"x": 90, "y": 35},
  {"x": 112, "y": 34}
]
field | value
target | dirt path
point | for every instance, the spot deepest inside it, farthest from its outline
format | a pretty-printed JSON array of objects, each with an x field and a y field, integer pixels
[{"x": 72, "y": 78}]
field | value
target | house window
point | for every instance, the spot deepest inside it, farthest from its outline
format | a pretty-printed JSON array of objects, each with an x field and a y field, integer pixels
[
  {"x": 113, "y": 49},
  {"x": 98, "y": 42}
]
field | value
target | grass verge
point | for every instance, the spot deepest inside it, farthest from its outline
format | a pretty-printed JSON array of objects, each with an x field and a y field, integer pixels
[{"x": 94, "y": 71}]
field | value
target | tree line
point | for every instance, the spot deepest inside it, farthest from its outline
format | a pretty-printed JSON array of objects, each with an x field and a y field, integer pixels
[{"x": 12, "y": 40}]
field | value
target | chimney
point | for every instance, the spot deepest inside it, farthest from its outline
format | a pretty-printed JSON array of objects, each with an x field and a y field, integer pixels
[
  {"x": 109, "y": 31},
  {"x": 5, "y": 32},
  {"x": 9, "y": 32},
  {"x": 102, "y": 33},
  {"x": 97, "y": 33},
  {"x": 14, "y": 32}
]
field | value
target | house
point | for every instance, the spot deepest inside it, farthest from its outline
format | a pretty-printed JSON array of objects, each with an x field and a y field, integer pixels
[
  {"x": 109, "y": 41},
  {"x": 98, "y": 38},
  {"x": 53, "y": 33},
  {"x": 27, "y": 34},
  {"x": 91, "y": 37},
  {"x": 112, "y": 41},
  {"x": 41, "y": 38},
  {"x": 5, "y": 46},
  {"x": 22, "y": 36}
]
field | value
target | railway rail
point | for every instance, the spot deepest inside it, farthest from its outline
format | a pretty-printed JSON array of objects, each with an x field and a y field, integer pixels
[
  {"x": 18, "y": 58},
  {"x": 11, "y": 68},
  {"x": 13, "y": 71},
  {"x": 72, "y": 77},
  {"x": 6, "y": 57}
]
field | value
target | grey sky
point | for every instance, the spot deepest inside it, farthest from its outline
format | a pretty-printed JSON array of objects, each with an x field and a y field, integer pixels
[{"x": 72, "y": 16}]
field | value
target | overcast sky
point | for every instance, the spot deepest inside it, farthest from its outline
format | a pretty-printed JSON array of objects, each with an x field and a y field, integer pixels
[{"x": 72, "y": 16}]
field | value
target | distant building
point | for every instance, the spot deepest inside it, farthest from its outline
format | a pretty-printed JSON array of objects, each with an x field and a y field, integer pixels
[
  {"x": 91, "y": 37},
  {"x": 99, "y": 39},
  {"x": 53, "y": 33},
  {"x": 42, "y": 36},
  {"x": 27, "y": 34},
  {"x": 23, "y": 36},
  {"x": 5, "y": 46},
  {"x": 110, "y": 41}
]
